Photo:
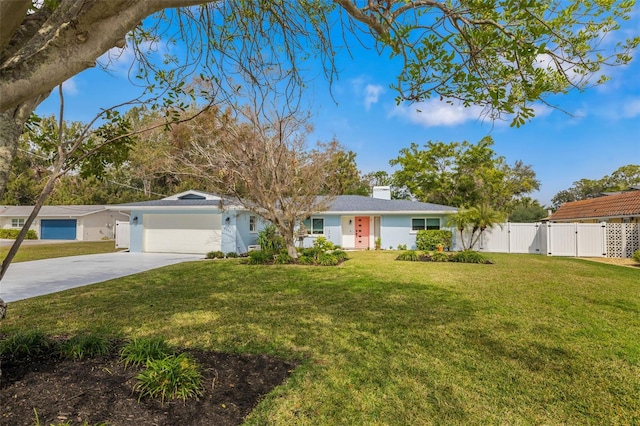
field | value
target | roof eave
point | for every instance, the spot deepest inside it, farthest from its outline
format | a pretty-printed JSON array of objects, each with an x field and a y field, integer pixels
[
  {"x": 151, "y": 208},
  {"x": 386, "y": 212}
]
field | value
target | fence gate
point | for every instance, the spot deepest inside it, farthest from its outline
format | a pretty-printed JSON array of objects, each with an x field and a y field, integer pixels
[
  {"x": 122, "y": 234},
  {"x": 591, "y": 240},
  {"x": 561, "y": 239}
]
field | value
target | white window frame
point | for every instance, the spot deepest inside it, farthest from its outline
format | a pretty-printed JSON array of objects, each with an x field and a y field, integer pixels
[
  {"x": 17, "y": 222},
  {"x": 310, "y": 229},
  {"x": 253, "y": 224},
  {"x": 426, "y": 223}
]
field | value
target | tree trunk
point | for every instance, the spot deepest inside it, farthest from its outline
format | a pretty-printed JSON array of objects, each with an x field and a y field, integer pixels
[
  {"x": 290, "y": 241},
  {"x": 9, "y": 133},
  {"x": 27, "y": 224}
]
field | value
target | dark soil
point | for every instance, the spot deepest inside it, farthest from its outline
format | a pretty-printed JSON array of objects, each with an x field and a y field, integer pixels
[{"x": 100, "y": 390}]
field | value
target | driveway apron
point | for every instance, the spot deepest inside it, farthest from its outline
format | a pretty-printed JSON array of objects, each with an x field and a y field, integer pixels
[{"x": 39, "y": 277}]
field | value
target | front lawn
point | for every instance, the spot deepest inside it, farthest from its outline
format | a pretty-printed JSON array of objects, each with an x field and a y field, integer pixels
[
  {"x": 39, "y": 251},
  {"x": 527, "y": 340}
]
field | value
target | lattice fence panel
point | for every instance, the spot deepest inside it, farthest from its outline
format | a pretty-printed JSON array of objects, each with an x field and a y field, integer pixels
[{"x": 622, "y": 239}]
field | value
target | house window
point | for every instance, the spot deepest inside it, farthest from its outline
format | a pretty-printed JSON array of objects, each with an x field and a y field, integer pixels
[
  {"x": 420, "y": 223},
  {"x": 253, "y": 224},
  {"x": 314, "y": 225},
  {"x": 17, "y": 223}
]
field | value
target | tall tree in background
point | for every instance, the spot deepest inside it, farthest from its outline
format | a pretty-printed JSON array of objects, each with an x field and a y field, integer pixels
[
  {"x": 527, "y": 210},
  {"x": 267, "y": 166},
  {"x": 583, "y": 189},
  {"x": 503, "y": 56},
  {"x": 462, "y": 174},
  {"x": 343, "y": 176}
]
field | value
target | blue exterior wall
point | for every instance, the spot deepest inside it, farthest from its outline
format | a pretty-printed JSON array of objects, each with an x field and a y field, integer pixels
[
  {"x": 394, "y": 229},
  {"x": 135, "y": 231},
  {"x": 245, "y": 238}
]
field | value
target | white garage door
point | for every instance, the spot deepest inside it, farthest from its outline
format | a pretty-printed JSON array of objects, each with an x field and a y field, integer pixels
[{"x": 182, "y": 233}]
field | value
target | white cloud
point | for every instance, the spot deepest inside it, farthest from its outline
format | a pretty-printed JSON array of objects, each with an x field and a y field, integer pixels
[
  {"x": 121, "y": 61},
  {"x": 631, "y": 108},
  {"x": 435, "y": 113},
  {"x": 372, "y": 93},
  {"x": 621, "y": 109},
  {"x": 70, "y": 88}
]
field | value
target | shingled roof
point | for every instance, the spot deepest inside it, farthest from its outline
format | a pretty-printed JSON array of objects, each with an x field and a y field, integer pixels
[
  {"x": 342, "y": 204},
  {"x": 626, "y": 204}
]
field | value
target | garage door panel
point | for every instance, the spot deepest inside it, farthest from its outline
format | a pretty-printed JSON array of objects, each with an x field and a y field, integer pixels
[
  {"x": 58, "y": 229},
  {"x": 182, "y": 233}
]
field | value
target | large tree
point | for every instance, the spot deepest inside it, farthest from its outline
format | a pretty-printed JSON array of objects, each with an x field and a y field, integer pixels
[
  {"x": 267, "y": 166},
  {"x": 501, "y": 55},
  {"x": 621, "y": 179},
  {"x": 527, "y": 210},
  {"x": 462, "y": 174},
  {"x": 344, "y": 178}
]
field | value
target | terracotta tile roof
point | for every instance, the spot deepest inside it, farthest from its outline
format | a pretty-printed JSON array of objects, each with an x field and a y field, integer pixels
[{"x": 625, "y": 204}]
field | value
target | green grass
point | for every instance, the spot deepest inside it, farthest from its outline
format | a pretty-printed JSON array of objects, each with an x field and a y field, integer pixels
[
  {"x": 46, "y": 251},
  {"x": 528, "y": 340}
]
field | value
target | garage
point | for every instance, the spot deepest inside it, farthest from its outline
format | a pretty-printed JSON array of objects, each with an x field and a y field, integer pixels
[
  {"x": 58, "y": 229},
  {"x": 182, "y": 233}
]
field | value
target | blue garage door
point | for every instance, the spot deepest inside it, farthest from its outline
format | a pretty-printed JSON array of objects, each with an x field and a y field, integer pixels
[{"x": 58, "y": 229}]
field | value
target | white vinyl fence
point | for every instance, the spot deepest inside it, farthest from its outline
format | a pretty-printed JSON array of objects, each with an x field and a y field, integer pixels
[
  {"x": 561, "y": 239},
  {"x": 122, "y": 234}
]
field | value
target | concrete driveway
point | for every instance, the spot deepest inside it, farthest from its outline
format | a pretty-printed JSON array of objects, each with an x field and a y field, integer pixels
[{"x": 38, "y": 277}]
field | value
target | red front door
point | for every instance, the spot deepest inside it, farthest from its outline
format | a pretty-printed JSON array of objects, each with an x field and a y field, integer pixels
[{"x": 362, "y": 232}]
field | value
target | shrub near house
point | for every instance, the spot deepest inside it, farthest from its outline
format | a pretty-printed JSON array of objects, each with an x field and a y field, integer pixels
[
  {"x": 430, "y": 239},
  {"x": 272, "y": 250},
  {"x": 12, "y": 234}
]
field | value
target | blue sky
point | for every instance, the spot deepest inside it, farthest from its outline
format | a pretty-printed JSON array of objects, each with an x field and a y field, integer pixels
[{"x": 601, "y": 134}]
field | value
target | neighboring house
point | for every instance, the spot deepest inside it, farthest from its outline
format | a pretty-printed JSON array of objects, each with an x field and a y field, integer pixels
[
  {"x": 617, "y": 208},
  {"x": 82, "y": 223},
  {"x": 199, "y": 222}
]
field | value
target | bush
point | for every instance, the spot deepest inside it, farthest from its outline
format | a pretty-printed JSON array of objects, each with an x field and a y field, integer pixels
[
  {"x": 439, "y": 257},
  {"x": 306, "y": 260},
  {"x": 88, "y": 345},
  {"x": 12, "y": 234},
  {"x": 636, "y": 256},
  {"x": 409, "y": 255},
  {"x": 468, "y": 256},
  {"x": 260, "y": 257},
  {"x": 171, "y": 377},
  {"x": 328, "y": 259},
  {"x": 215, "y": 255},
  {"x": 270, "y": 239},
  {"x": 283, "y": 258},
  {"x": 232, "y": 255},
  {"x": 427, "y": 240},
  {"x": 24, "y": 344},
  {"x": 341, "y": 255},
  {"x": 139, "y": 351},
  {"x": 322, "y": 244}
]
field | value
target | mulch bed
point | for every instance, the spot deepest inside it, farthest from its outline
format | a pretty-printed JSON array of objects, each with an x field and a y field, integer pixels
[{"x": 100, "y": 390}]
